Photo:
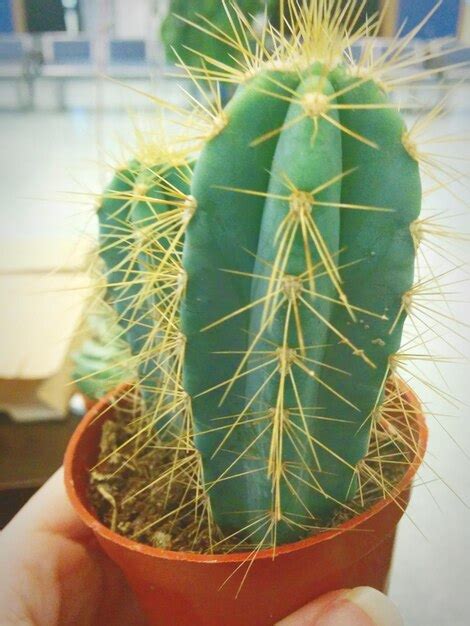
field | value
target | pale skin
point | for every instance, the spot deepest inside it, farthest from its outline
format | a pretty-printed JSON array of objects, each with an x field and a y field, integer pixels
[{"x": 53, "y": 573}]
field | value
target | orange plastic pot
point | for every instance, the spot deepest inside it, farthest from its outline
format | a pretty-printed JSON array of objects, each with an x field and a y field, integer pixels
[{"x": 186, "y": 589}]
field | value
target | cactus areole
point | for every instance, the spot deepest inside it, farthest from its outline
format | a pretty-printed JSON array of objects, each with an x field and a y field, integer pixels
[{"x": 269, "y": 301}]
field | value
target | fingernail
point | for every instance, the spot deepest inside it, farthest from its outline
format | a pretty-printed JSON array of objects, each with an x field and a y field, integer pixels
[{"x": 375, "y": 605}]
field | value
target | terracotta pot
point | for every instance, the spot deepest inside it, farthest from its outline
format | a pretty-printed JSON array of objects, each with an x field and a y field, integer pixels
[{"x": 179, "y": 589}]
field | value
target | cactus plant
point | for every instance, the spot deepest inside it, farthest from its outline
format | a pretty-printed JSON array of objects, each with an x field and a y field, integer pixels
[
  {"x": 268, "y": 286},
  {"x": 128, "y": 208},
  {"x": 183, "y": 41},
  {"x": 104, "y": 359}
]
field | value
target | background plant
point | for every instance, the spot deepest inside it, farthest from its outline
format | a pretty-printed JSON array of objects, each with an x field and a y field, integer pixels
[
  {"x": 184, "y": 41},
  {"x": 104, "y": 360}
]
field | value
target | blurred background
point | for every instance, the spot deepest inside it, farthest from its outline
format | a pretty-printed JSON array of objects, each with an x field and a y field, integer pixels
[{"x": 76, "y": 84}]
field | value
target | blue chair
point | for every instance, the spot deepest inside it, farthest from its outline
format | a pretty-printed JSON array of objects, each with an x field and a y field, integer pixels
[
  {"x": 11, "y": 51},
  {"x": 71, "y": 52},
  {"x": 15, "y": 69},
  {"x": 452, "y": 61},
  {"x": 128, "y": 59},
  {"x": 127, "y": 52},
  {"x": 444, "y": 22},
  {"x": 66, "y": 60}
]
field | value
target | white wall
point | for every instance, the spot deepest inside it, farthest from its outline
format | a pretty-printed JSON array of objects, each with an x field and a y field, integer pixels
[
  {"x": 126, "y": 19},
  {"x": 134, "y": 19}
]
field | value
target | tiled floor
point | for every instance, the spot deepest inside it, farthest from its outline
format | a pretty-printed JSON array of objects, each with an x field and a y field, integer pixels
[{"x": 50, "y": 153}]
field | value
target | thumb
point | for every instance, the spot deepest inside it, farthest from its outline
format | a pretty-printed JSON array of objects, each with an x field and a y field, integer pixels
[{"x": 362, "y": 606}]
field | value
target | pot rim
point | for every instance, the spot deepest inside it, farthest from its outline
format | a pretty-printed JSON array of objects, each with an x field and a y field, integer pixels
[{"x": 239, "y": 557}]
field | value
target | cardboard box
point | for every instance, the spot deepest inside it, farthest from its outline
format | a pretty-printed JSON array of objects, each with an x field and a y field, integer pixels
[{"x": 44, "y": 290}]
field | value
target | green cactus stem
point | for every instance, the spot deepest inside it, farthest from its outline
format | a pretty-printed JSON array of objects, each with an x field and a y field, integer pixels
[
  {"x": 116, "y": 237},
  {"x": 142, "y": 217},
  {"x": 157, "y": 217},
  {"x": 297, "y": 259}
]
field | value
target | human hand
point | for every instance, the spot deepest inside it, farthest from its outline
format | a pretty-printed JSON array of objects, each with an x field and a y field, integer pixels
[
  {"x": 362, "y": 606},
  {"x": 53, "y": 573}
]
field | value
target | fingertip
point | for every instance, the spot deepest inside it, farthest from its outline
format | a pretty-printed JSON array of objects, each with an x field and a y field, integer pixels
[
  {"x": 377, "y": 606},
  {"x": 308, "y": 614},
  {"x": 49, "y": 510},
  {"x": 362, "y": 606}
]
